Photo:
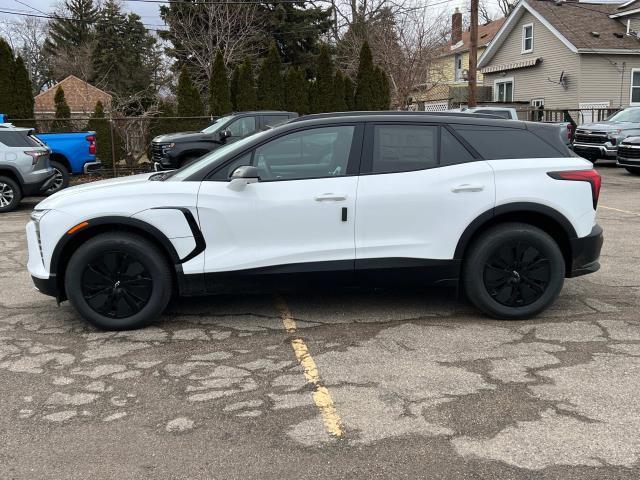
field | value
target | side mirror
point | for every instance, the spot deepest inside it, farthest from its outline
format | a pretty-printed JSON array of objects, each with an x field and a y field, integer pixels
[
  {"x": 224, "y": 134},
  {"x": 242, "y": 176}
]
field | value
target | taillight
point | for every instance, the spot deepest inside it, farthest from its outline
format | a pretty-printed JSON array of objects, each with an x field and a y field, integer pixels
[
  {"x": 570, "y": 131},
  {"x": 92, "y": 144},
  {"x": 35, "y": 155},
  {"x": 592, "y": 176}
]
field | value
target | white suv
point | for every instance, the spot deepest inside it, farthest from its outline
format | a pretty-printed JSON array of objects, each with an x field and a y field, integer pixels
[{"x": 500, "y": 208}]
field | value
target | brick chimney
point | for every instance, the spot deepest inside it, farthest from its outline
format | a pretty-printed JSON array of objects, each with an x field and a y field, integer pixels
[{"x": 456, "y": 27}]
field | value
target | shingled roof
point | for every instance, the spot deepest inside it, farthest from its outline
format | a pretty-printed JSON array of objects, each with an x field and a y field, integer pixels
[
  {"x": 486, "y": 33},
  {"x": 80, "y": 96}
]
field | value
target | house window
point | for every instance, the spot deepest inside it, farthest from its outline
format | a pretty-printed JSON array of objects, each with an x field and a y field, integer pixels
[
  {"x": 458, "y": 67},
  {"x": 527, "y": 38},
  {"x": 635, "y": 86},
  {"x": 503, "y": 90}
]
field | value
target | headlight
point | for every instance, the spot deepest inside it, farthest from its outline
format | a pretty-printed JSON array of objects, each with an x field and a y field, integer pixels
[
  {"x": 614, "y": 134},
  {"x": 169, "y": 146},
  {"x": 37, "y": 215}
]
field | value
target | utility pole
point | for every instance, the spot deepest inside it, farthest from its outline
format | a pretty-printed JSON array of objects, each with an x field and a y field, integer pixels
[{"x": 473, "y": 54}]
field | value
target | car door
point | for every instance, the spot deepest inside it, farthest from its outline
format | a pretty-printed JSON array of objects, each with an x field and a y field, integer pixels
[
  {"x": 300, "y": 214},
  {"x": 419, "y": 189}
]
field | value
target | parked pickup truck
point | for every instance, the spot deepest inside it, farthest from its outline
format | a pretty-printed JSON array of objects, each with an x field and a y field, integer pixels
[
  {"x": 175, "y": 150},
  {"x": 71, "y": 153},
  {"x": 601, "y": 139}
]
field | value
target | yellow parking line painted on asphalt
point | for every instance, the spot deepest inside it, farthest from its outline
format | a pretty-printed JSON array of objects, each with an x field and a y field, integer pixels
[
  {"x": 321, "y": 396},
  {"x": 619, "y": 210}
]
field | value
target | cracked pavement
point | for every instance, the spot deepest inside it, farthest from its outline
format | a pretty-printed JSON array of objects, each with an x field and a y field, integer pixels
[{"x": 424, "y": 386}]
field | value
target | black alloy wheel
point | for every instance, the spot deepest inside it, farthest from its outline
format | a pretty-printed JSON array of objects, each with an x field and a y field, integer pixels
[{"x": 517, "y": 274}]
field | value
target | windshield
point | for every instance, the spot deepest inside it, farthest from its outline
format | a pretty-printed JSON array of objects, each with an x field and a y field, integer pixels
[
  {"x": 217, "y": 125},
  {"x": 215, "y": 157},
  {"x": 628, "y": 115}
]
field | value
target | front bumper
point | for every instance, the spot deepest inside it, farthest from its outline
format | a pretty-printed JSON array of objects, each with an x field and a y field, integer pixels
[
  {"x": 604, "y": 151},
  {"x": 585, "y": 253},
  {"x": 36, "y": 188},
  {"x": 48, "y": 286}
]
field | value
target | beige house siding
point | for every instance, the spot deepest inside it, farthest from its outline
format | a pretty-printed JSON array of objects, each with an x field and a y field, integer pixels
[
  {"x": 607, "y": 78},
  {"x": 531, "y": 82}
]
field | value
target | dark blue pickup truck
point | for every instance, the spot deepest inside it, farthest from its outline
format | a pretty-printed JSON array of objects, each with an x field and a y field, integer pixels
[{"x": 71, "y": 153}]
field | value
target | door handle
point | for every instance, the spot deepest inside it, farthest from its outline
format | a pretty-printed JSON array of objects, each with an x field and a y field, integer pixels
[
  {"x": 468, "y": 187},
  {"x": 330, "y": 197}
]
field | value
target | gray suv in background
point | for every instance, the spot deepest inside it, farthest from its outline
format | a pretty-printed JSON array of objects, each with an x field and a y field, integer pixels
[{"x": 24, "y": 166}]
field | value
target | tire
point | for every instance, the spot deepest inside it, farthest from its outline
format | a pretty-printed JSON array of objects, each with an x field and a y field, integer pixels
[
  {"x": 10, "y": 194},
  {"x": 61, "y": 178},
  {"x": 113, "y": 299},
  {"x": 633, "y": 170},
  {"x": 497, "y": 280}
]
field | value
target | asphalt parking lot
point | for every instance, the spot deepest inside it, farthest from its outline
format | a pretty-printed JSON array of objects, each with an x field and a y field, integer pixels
[{"x": 353, "y": 385}]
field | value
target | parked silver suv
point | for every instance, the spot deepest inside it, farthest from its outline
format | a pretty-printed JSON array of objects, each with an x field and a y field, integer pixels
[
  {"x": 24, "y": 166},
  {"x": 601, "y": 139}
]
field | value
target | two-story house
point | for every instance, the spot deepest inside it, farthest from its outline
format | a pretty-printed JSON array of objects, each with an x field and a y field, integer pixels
[
  {"x": 447, "y": 83},
  {"x": 566, "y": 55}
]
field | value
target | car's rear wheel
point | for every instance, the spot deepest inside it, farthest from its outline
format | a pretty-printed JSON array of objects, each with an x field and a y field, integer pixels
[
  {"x": 513, "y": 271},
  {"x": 10, "y": 194},
  {"x": 118, "y": 281},
  {"x": 633, "y": 170},
  {"x": 60, "y": 178}
]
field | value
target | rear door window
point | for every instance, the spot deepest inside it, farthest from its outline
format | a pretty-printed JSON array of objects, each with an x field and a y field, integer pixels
[
  {"x": 495, "y": 143},
  {"x": 273, "y": 120},
  {"x": 403, "y": 148}
]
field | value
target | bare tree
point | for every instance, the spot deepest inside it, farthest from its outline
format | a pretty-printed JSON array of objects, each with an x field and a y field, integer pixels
[
  {"x": 506, "y": 6},
  {"x": 485, "y": 15},
  {"x": 198, "y": 30},
  {"x": 26, "y": 37}
]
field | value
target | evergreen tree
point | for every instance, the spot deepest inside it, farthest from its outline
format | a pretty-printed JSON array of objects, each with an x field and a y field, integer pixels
[
  {"x": 270, "y": 85},
  {"x": 99, "y": 123},
  {"x": 339, "y": 93},
  {"x": 72, "y": 28},
  {"x": 349, "y": 91},
  {"x": 219, "y": 96},
  {"x": 188, "y": 97},
  {"x": 233, "y": 87},
  {"x": 23, "y": 92},
  {"x": 124, "y": 58},
  {"x": 297, "y": 29},
  {"x": 312, "y": 95},
  {"x": 63, "y": 112},
  {"x": 382, "y": 89},
  {"x": 324, "y": 82},
  {"x": 7, "y": 79},
  {"x": 366, "y": 82},
  {"x": 296, "y": 93},
  {"x": 246, "y": 98}
]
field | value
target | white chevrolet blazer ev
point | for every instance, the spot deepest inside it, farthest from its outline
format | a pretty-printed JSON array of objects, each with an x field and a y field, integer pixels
[{"x": 500, "y": 209}]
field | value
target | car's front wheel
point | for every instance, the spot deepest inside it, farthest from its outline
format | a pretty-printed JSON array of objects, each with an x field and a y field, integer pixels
[
  {"x": 10, "y": 194},
  {"x": 513, "y": 271},
  {"x": 633, "y": 170},
  {"x": 118, "y": 281}
]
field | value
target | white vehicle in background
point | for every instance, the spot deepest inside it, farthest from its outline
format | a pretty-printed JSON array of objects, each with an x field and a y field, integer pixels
[
  {"x": 501, "y": 209},
  {"x": 503, "y": 112}
]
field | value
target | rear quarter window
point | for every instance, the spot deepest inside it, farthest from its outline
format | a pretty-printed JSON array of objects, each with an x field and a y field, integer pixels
[
  {"x": 495, "y": 143},
  {"x": 17, "y": 139}
]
